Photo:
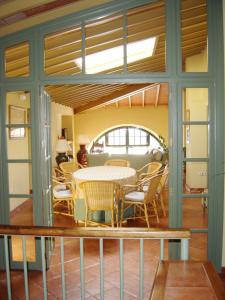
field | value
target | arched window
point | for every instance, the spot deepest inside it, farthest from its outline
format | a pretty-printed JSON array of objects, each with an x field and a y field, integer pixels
[{"x": 126, "y": 140}]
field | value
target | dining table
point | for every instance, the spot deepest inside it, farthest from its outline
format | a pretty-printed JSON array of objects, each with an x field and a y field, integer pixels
[{"x": 120, "y": 175}]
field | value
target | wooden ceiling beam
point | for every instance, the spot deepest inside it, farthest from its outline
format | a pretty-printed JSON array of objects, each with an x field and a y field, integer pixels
[
  {"x": 143, "y": 98},
  {"x": 188, "y": 4},
  {"x": 113, "y": 97},
  {"x": 157, "y": 95},
  {"x": 12, "y": 7},
  {"x": 50, "y": 15}
]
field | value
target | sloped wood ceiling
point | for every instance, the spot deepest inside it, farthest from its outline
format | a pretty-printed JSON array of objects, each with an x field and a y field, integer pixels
[
  {"x": 63, "y": 47},
  {"x": 91, "y": 96}
]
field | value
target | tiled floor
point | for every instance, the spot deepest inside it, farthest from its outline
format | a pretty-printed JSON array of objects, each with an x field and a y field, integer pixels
[{"x": 111, "y": 264}]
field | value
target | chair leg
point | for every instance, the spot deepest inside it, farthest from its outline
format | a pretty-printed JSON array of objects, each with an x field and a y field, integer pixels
[
  {"x": 155, "y": 210},
  {"x": 112, "y": 218},
  {"x": 117, "y": 218},
  {"x": 121, "y": 213},
  {"x": 146, "y": 215},
  {"x": 162, "y": 204},
  {"x": 86, "y": 217}
]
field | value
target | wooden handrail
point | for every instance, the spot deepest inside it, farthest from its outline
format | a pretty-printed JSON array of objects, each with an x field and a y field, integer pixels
[{"x": 90, "y": 232}]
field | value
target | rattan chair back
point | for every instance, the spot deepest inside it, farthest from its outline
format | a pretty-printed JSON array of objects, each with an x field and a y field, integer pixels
[
  {"x": 152, "y": 188},
  {"x": 100, "y": 196},
  {"x": 117, "y": 162},
  {"x": 70, "y": 166}
]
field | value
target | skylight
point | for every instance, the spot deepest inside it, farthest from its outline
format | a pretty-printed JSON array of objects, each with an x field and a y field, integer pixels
[{"x": 113, "y": 57}]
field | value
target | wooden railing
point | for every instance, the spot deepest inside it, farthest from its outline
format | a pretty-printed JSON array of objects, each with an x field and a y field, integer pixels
[{"x": 96, "y": 233}]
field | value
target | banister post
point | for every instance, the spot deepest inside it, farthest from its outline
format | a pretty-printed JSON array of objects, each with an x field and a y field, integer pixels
[{"x": 184, "y": 255}]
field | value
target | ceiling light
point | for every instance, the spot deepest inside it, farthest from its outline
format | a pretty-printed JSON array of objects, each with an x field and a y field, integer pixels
[{"x": 113, "y": 57}]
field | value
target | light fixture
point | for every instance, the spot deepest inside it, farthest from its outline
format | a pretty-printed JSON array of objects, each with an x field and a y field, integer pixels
[
  {"x": 82, "y": 140},
  {"x": 62, "y": 147},
  {"x": 113, "y": 57}
]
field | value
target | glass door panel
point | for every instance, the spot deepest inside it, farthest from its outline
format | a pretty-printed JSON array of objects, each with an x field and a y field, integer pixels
[
  {"x": 195, "y": 104},
  {"x": 195, "y": 132},
  {"x": 195, "y": 141},
  {"x": 146, "y": 31},
  {"x": 62, "y": 48},
  {"x": 17, "y": 60},
  {"x": 195, "y": 177},
  {"x": 18, "y": 107},
  {"x": 20, "y": 178},
  {"x": 194, "y": 35},
  {"x": 21, "y": 213},
  {"x": 198, "y": 246},
  {"x": 195, "y": 213},
  {"x": 19, "y": 148},
  {"x": 104, "y": 45}
]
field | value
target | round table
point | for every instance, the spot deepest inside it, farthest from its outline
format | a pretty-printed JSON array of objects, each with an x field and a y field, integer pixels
[{"x": 121, "y": 175}]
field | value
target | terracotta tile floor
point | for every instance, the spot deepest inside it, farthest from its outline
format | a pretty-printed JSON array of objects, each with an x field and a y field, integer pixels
[{"x": 111, "y": 264}]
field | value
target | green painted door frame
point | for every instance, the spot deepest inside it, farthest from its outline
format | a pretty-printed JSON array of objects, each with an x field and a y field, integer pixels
[{"x": 213, "y": 79}]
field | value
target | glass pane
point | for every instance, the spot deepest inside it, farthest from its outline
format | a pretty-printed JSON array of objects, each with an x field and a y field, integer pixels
[
  {"x": 20, "y": 178},
  {"x": 18, "y": 108},
  {"x": 110, "y": 140},
  {"x": 18, "y": 148},
  {"x": 143, "y": 140},
  {"x": 131, "y": 140},
  {"x": 21, "y": 213},
  {"x": 123, "y": 132},
  {"x": 17, "y": 62},
  {"x": 104, "y": 45},
  {"x": 195, "y": 177},
  {"x": 146, "y": 38},
  {"x": 117, "y": 140},
  {"x": 199, "y": 246},
  {"x": 195, "y": 104},
  {"x": 62, "y": 49},
  {"x": 122, "y": 140},
  {"x": 195, "y": 213},
  {"x": 194, "y": 35},
  {"x": 154, "y": 143},
  {"x": 195, "y": 141},
  {"x": 18, "y": 205}
]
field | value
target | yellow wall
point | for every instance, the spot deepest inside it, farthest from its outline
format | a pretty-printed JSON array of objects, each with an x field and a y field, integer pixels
[
  {"x": 57, "y": 111},
  {"x": 95, "y": 122},
  {"x": 197, "y": 63}
]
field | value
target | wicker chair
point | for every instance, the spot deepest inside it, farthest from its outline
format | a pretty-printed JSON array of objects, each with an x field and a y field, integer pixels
[
  {"x": 152, "y": 169},
  {"x": 117, "y": 162},
  {"x": 160, "y": 189},
  {"x": 145, "y": 201},
  {"x": 63, "y": 202},
  {"x": 159, "y": 192},
  {"x": 69, "y": 167},
  {"x": 101, "y": 195}
]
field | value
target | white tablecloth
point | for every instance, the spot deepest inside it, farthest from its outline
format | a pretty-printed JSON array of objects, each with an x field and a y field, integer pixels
[{"x": 121, "y": 175}]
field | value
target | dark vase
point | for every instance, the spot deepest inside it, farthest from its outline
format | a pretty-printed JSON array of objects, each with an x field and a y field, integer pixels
[
  {"x": 82, "y": 156},
  {"x": 61, "y": 157}
]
